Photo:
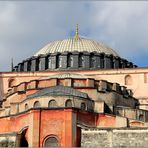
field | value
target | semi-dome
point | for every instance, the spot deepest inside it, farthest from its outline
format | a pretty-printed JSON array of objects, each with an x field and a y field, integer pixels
[{"x": 73, "y": 44}]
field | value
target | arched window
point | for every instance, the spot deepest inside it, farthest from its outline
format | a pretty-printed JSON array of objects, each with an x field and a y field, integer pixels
[
  {"x": 141, "y": 118},
  {"x": 68, "y": 103},
  {"x": 59, "y": 61},
  {"x": 128, "y": 80},
  {"x": 36, "y": 104},
  {"x": 83, "y": 106},
  {"x": 92, "y": 61},
  {"x": 69, "y": 60},
  {"x": 51, "y": 142},
  {"x": 11, "y": 82},
  {"x": 52, "y": 104},
  {"x": 81, "y": 60},
  {"x": 26, "y": 106}
]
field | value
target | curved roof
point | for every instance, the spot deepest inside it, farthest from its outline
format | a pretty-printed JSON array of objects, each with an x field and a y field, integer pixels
[
  {"x": 58, "y": 91},
  {"x": 73, "y": 44}
]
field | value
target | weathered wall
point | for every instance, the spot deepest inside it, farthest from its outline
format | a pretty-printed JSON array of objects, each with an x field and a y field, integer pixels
[
  {"x": 115, "y": 138},
  {"x": 7, "y": 140}
]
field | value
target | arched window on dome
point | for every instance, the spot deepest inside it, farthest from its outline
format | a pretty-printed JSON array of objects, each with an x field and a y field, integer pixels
[
  {"x": 68, "y": 103},
  {"x": 128, "y": 80},
  {"x": 81, "y": 60},
  {"x": 59, "y": 61},
  {"x": 36, "y": 104},
  {"x": 69, "y": 60},
  {"x": 51, "y": 142},
  {"x": 92, "y": 61},
  {"x": 52, "y": 104},
  {"x": 11, "y": 82}
]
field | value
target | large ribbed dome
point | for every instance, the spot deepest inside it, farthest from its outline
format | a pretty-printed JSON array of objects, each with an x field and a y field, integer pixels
[
  {"x": 75, "y": 53},
  {"x": 80, "y": 45}
]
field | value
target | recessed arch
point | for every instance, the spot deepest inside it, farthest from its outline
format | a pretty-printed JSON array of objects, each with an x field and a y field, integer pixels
[
  {"x": 37, "y": 104},
  {"x": 68, "y": 103},
  {"x": 51, "y": 141},
  {"x": 52, "y": 104},
  {"x": 128, "y": 80}
]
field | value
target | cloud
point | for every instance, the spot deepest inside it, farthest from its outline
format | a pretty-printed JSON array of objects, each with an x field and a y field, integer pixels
[
  {"x": 28, "y": 26},
  {"x": 123, "y": 25}
]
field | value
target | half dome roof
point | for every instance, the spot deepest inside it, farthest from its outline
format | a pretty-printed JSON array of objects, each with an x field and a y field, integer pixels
[{"x": 73, "y": 44}]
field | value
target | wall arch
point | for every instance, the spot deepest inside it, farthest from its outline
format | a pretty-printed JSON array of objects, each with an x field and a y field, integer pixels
[
  {"x": 128, "y": 80},
  {"x": 52, "y": 104},
  {"x": 68, "y": 103},
  {"x": 36, "y": 104},
  {"x": 51, "y": 141}
]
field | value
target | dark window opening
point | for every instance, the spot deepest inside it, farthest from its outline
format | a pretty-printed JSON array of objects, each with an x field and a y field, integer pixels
[
  {"x": 23, "y": 140},
  {"x": 29, "y": 66},
  {"x": 102, "y": 61}
]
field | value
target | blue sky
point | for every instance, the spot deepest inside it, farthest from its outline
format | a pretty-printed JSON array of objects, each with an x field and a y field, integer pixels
[{"x": 25, "y": 27}]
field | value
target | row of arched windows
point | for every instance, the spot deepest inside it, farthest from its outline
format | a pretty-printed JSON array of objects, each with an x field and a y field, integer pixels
[{"x": 53, "y": 104}]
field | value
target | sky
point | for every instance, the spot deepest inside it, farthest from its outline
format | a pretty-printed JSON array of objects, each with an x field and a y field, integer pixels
[{"x": 27, "y": 26}]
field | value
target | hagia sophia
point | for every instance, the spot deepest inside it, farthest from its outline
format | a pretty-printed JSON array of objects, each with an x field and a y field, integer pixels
[{"x": 75, "y": 92}]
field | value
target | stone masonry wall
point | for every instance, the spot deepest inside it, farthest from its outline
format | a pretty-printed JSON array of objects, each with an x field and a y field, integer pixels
[{"x": 115, "y": 138}]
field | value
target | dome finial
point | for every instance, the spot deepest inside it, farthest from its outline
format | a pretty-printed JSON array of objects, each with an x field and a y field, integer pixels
[{"x": 77, "y": 33}]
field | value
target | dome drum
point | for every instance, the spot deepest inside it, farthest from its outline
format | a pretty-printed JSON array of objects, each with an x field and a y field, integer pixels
[{"x": 73, "y": 61}]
